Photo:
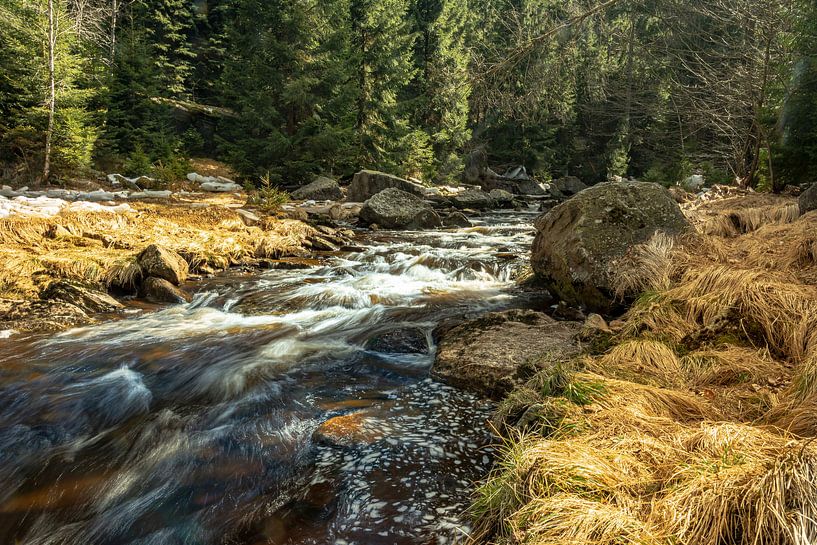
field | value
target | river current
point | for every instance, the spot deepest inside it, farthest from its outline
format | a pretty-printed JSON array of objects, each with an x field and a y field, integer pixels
[{"x": 196, "y": 424}]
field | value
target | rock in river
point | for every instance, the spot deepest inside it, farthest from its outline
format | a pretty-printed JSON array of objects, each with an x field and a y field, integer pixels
[
  {"x": 396, "y": 209},
  {"x": 580, "y": 243},
  {"x": 159, "y": 290},
  {"x": 491, "y": 354},
  {"x": 473, "y": 199},
  {"x": 163, "y": 263}
]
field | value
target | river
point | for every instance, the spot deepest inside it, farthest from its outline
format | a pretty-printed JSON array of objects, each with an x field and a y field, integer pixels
[{"x": 196, "y": 424}]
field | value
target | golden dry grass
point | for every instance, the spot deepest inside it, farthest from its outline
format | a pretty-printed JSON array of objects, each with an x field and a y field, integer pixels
[
  {"x": 701, "y": 429},
  {"x": 100, "y": 248}
]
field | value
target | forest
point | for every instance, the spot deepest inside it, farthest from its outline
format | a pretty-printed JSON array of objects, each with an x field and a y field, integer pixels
[{"x": 651, "y": 89}]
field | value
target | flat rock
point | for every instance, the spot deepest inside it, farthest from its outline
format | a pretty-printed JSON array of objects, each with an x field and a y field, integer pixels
[
  {"x": 402, "y": 341},
  {"x": 493, "y": 353},
  {"x": 472, "y": 199},
  {"x": 83, "y": 297},
  {"x": 347, "y": 431}
]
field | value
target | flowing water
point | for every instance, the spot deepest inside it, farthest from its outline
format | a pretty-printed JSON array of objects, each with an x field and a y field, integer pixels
[{"x": 196, "y": 424}]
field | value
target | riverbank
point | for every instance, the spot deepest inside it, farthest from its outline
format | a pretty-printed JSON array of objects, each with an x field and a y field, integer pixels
[
  {"x": 97, "y": 246},
  {"x": 690, "y": 421}
]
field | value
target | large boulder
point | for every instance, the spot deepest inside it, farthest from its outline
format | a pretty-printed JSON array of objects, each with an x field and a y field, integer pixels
[
  {"x": 808, "y": 199},
  {"x": 580, "y": 243},
  {"x": 472, "y": 199},
  {"x": 490, "y": 355},
  {"x": 395, "y": 209},
  {"x": 161, "y": 262},
  {"x": 321, "y": 189},
  {"x": 368, "y": 183}
]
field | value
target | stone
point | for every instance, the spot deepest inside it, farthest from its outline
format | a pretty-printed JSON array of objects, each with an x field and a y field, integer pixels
[
  {"x": 472, "y": 199},
  {"x": 502, "y": 198},
  {"x": 321, "y": 189},
  {"x": 159, "y": 290},
  {"x": 163, "y": 263},
  {"x": 83, "y": 297},
  {"x": 580, "y": 243},
  {"x": 220, "y": 187},
  {"x": 568, "y": 185},
  {"x": 40, "y": 315},
  {"x": 402, "y": 341},
  {"x": 694, "y": 183},
  {"x": 808, "y": 199},
  {"x": 347, "y": 431},
  {"x": 249, "y": 218},
  {"x": 493, "y": 353},
  {"x": 368, "y": 183},
  {"x": 476, "y": 166},
  {"x": 396, "y": 209},
  {"x": 456, "y": 219}
]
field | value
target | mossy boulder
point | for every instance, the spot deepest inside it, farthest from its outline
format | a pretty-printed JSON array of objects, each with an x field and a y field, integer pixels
[
  {"x": 396, "y": 209},
  {"x": 321, "y": 189},
  {"x": 580, "y": 243},
  {"x": 368, "y": 183}
]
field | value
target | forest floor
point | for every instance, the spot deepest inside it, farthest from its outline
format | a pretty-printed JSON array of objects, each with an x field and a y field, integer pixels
[
  {"x": 99, "y": 247},
  {"x": 693, "y": 421}
]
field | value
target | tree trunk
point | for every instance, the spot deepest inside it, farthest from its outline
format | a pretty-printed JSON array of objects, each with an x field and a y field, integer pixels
[
  {"x": 52, "y": 96},
  {"x": 114, "y": 15}
]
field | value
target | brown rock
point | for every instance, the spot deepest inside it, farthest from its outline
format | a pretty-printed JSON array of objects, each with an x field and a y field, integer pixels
[
  {"x": 159, "y": 290},
  {"x": 163, "y": 263},
  {"x": 346, "y": 431}
]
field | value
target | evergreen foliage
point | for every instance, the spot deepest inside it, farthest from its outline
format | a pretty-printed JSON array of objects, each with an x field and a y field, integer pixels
[{"x": 301, "y": 87}]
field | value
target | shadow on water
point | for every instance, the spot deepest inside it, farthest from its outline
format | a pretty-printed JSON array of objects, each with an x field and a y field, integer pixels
[{"x": 196, "y": 424}]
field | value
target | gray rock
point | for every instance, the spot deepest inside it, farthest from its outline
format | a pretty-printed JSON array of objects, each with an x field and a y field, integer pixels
[
  {"x": 580, "y": 243},
  {"x": 473, "y": 199},
  {"x": 159, "y": 290},
  {"x": 163, "y": 263},
  {"x": 321, "y": 189},
  {"x": 368, "y": 183},
  {"x": 495, "y": 352},
  {"x": 395, "y": 209},
  {"x": 456, "y": 219},
  {"x": 808, "y": 199},
  {"x": 248, "y": 218},
  {"x": 220, "y": 187},
  {"x": 568, "y": 186},
  {"x": 502, "y": 198}
]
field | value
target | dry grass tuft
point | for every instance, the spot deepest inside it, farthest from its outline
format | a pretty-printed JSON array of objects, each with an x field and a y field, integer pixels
[{"x": 642, "y": 360}]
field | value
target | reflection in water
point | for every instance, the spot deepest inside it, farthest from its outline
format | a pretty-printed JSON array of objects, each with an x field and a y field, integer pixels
[{"x": 197, "y": 424}]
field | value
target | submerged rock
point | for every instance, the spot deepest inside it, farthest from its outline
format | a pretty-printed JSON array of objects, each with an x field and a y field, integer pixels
[
  {"x": 321, "y": 189},
  {"x": 403, "y": 341},
  {"x": 163, "y": 263},
  {"x": 493, "y": 353},
  {"x": 159, "y": 290},
  {"x": 579, "y": 244},
  {"x": 396, "y": 209},
  {"x": 368, "y": 183},
  {"x": 346, "y": 431}
]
